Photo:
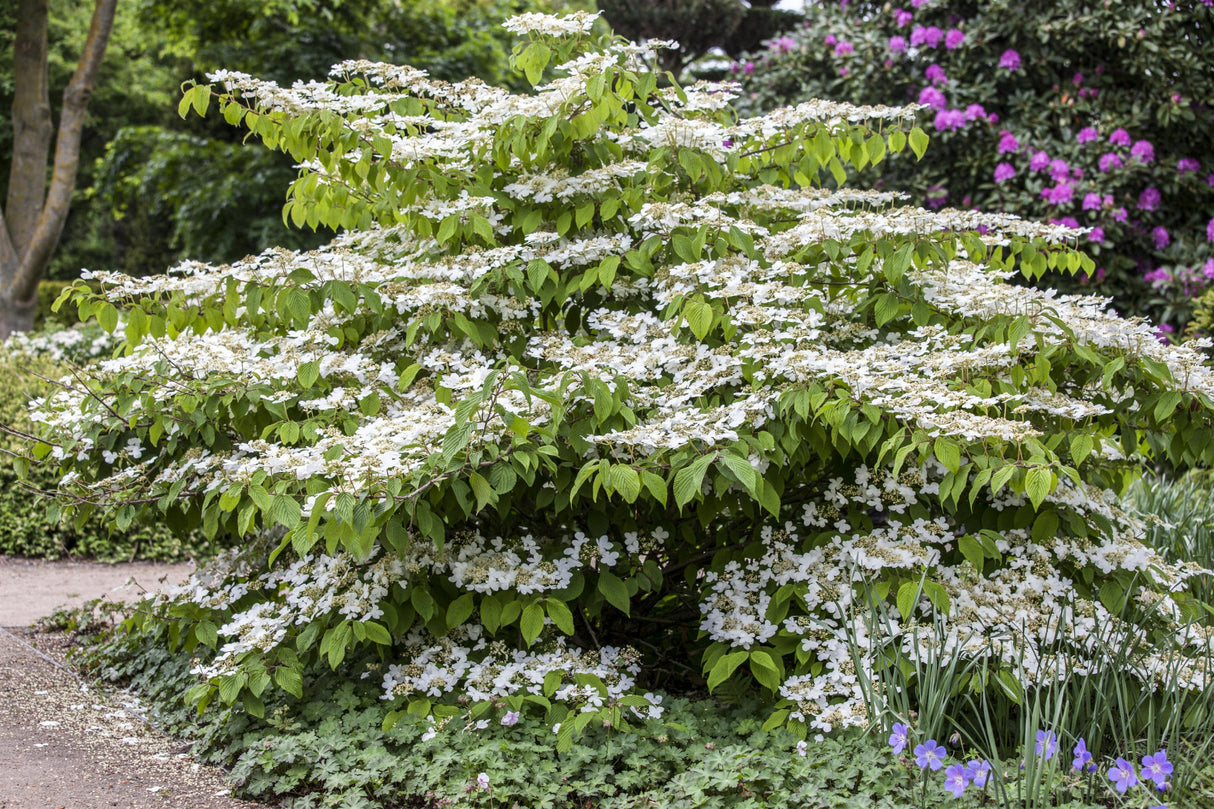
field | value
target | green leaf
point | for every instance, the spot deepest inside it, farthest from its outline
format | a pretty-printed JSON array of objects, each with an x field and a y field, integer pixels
[
  {"x": 1037, "y": 484},
  {"x": 560, "y": 614},
  {"x": 290, "y": 680},
  {"x": 614, "y": 590},
  {"x": 908, "y": 596},
  {"x": 532, "y": 622},
  {"x": 482, "y": 490},
  {"x": 948, "y": 452},
  {"x": 764, "y": 668},
  {"x": 971, "y": 549},
  {"x": 724, "y": 668},
  {"x": 377, "y": 633},
  {"x": 626, "y": 482},
  {"x": 687, "y": 480},
  {"x": 918, "y": 142},
  {"x": 459, "y": 610},
  {"x": 1081, "y": 447}
]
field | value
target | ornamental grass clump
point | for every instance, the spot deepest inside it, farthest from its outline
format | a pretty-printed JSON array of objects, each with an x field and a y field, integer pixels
[{"x": 604, "y": 393}]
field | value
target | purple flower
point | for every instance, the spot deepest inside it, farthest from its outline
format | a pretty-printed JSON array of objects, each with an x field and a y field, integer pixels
[
  {"x": 1083, "y": 759},
  {"x": 830, "y": 40},
  {"x": 1088, "y": 134},
  {"x": 1149, "y": 199},
  {"x": 1059, "y": 169},
  {"x": 1120, "y": 215},
  {"x": 949, "y": 119},
  {"x": 1156, "y": 277},
  {"x": 898, "y": 738},
  {"x": 1143, "y": 150},
  {"x": 1186, "y": 165},
  {"x": 897, "y": 44},
  {"x": 1208, "y": 269},
  {"x": 1047, "y": 744},
  {"x": 1210, "y": 179},
  {"x": 932, "y": 36},
  {"x": 933, "y": 98},
  {"x": 1038, "y": 161},
  {"x": 843, "y": 71},
  {"x": 1077, "y": 79},
  {"x": 1059, "y": 194},
  {"x": 1109, "y": 161},
  {"x": 1004, "y": 171},
  {"x": 975, "y": 112},
  {"x": 918, "y": 36},
  {"x": 1010, "y": 60},
  {"x": 1091, "y": 201},
  {"x": 482, "y": 781},
  {"x": 783, "y": 45},
  {"x": 902, "y": 18},
  {"x": 1008, "y": 143},
  {"x": 1066, "y": 221},
  {"x": 930, "y": 754},
  {"x": 844, "y": 48},
  {"x": 1210, "y": 230},
  {"x": 953, "y": 39},
  {"x": 955, "y": 780},
  {"x": 1157, "y": 767},
  {"x": 936, "y": 195},
  {"x": 1122, "y": 775},
  {"x": 935, "y": 74},
  {"x": 1120, "y": 138},
  {"x": 1160, "y": 236},
  {"x": 1097, "y": 235},
  {"x": 749, "y": 68},
  {"x": 977, "y": 772},
  {"x": 510, "y": 719}
]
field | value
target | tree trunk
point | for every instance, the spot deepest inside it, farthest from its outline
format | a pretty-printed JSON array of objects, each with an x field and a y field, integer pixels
[{"x": 34, "y": 215}]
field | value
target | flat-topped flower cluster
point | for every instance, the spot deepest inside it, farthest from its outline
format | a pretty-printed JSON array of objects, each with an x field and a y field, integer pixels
[{"x": 603, "y": 387}]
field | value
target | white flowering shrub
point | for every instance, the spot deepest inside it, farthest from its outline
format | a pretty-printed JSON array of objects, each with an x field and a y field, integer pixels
[{"x": 604, "y": 391}]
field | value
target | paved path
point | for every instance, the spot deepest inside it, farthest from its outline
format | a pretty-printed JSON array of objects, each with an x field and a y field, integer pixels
[{"x": 66, "y": 744}]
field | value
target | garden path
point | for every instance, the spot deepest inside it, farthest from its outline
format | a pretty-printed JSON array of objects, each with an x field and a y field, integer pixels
[{"x": 65, "y": 742}]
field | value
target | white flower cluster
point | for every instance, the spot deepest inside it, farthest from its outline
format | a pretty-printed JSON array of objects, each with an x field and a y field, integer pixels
[
  {"x": 77, "y": 344},
  {"x": 1047, "y": 626}
]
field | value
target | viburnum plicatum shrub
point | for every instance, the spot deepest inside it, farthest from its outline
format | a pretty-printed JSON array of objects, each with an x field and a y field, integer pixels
[
  {"x": 605, "y": 392},
  {"x": 1094, "y": 114}
]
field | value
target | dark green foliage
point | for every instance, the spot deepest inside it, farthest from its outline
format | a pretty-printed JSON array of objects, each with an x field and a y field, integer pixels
[
  {"x": 697, "y": 25},
  {"x": 329, "y": 750}
]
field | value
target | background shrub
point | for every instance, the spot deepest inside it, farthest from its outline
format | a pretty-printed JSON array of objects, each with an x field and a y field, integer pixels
[{"x": 1008, "y": 81}]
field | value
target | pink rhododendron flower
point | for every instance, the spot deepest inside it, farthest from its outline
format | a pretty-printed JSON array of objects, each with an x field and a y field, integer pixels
[
  {"x": 1120, "y": 138},
  {"x": 953, "y": 39},
  {"x": 1208, "y": 269},
  {"x": 749, "y": 68},
  {"x": 897, "y": 44},
  {"x": 1039, "y": 161},
  {"x": 1077, "y": 79},
  {"x": 1088, "y": 134},
  {"x": 1004, "y": 171},
  {"x": 935, "y": 74},
  {"x": 1010, "y": 60},
  {"x": 1060, "y": 194},
  {"x": 1210, "y": 230},
  {"x": 1149, "y": 199},
  {"x": 1091, "y": 201},
  {"x": 937, "y": 195},
  {"x": 1008, "y": 143},
  {"x": 1160, "y": 236},
  {"x": 1120, "y": 215},
  {"x": 1143, "y": 150},
  {"x": 902, "y": 18},
  {"x": 1186, "y": 165},
  {"x": 830, "y": 40},
  {"x": 949, "y": 119},
  {"x": 1097, "y": 235},
  {"x": 1109, "y": 161},
  {"x": 974, "y": 112},
  {"x": 1159, "y": 276},
  {"x": 932, "y": 98},
  {"x": 1118, "y": 774},
  {"x": 1059, "y": 169},
  {"x": 844, "y": 48}
]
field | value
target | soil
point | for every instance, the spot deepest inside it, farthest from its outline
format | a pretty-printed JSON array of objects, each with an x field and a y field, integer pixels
[{"x": 71, "y": 744}]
